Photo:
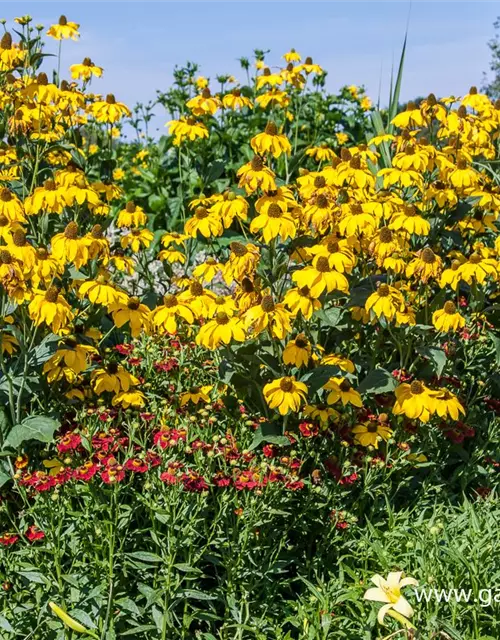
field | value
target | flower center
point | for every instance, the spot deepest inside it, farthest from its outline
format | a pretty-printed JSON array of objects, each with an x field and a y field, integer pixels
[
  {"x": 19, "y": 238},
  {"x": 274, "y": 211},
  {"x": 247, "y": 285},
  {"x": 383, "y": 290},
  {"x": 355, "y": 163},
  {"x": 71, "y": 231},
  {"x": 238, "y": 249},
  {"x": 319, "y": 182},
  {"x": 49, "y": 185},
  {"x": 345, "y": 386},
  {"x": 6, "y": 41},
  {"x": 416, "y": 388},
  {"x": 301, "y": 342},
  {"x": 42, "y": 79},
  {"x": 222, "y": 317},
  {"x": 97, "y": 232},
  {"x": 475, "y": 258},
  {"x": 267, "y": 304},
  {"x": 385, "y": 235},
  {"x": 110, "y": 98},
  {"x": 5, "y": 257},
  {"x": 133, "y": 304},
  {"x": 410, "y": 210},
  {"x": 201, "y": 213},
  {"x": 428, "y": 256},
  {"x": 130, "y": 207},
  {"x": 257, "y": 163},
  {"x": 206, "y": 93},
  {"x": 170, "y": 301},
  {"x": 450, "y": 307},
  {"x": 63, "y": 21},
  {"x": 286, "y": 385},
  {"x": 5, "y": 195},
  {"x": 271, "y": 129},
  {"x": 196, "y": 289},
  {"x": 322, "y": 265},
  {"x": 52, "y": 294},
  {"x": 372, "y": 427},
  {"x": 112, "y": 368}
]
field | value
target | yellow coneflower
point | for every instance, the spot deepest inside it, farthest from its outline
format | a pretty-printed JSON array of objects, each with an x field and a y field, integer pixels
[
  {"x": 85, "y": 70},
  {"x": 10, "y": 206},
  {"x": 137, "y": 239},
  {"x": 298, "y": 351},
  {"x": 204, "y": 103},
  {"x": 235, "y": 100},
  {"x": 320, "y": 276},
  {"x": 243, "y": 261},
  {"x": 255, "y": 175},
  {"x": 205, "y": 223},
  {"x": 51, "y": 308},
  {"x": 165, "y": 316},
  {"x": 109, "y": 111},
  {"x": 448, "y": 318},
  {"x": 130, "y": 310},
  {"x": 415, "y": 401},
  {"x": 132, "y": 216},
  {"x": 370, "y": 434},
  {"x": 271, "y": 141},
  {"x": 341, "y": 389},
  {"x": 425, "y": 266},
  {"x": 221, "y": 330},
  {"x": 69, "y": 247},
  {"x": 268, "y": 315},
  {"x": 113, "y": 378},
  {"x": 196, "y": 395},
  {"x": 386, "y": 301},
  {"x": 64, "y": 30},
  {"x": 186, "y": 129},
  {"x": 285, "y": 394},
  {"x": 300, "y": 300}
]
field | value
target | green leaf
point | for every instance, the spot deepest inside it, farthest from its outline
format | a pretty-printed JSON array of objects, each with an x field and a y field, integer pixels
[
  {"x": 145, "y": 556},
  {"x": 437, "y": 356},
  {"x": 496, "y": 342},
  {"x": 330, "y": 317},
  {"x": 197, "y": 595},
  {"x": 270, "y": 432},
  {"x": 5, "y": 624},
  {"x": 39, "y": 428},
  {"x": 377, "y": 381},
  {"x": 394, "y": 101},
  {"x": 319, "y": 376}
]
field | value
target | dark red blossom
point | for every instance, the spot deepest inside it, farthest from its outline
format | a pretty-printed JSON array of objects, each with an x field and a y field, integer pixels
[{"x": 33, "y": 533}]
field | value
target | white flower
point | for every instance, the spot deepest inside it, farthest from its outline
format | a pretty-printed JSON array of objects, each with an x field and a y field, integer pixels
[{"x": 389, "y": 591}]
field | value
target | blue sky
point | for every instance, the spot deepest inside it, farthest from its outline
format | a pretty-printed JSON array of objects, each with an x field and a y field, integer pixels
[{"x": 138, "y": 43}]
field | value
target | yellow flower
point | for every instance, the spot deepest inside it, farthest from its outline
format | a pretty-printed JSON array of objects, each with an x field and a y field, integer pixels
[
  {"x": 22, "y": 250},
  {"x": 339, "y": 361},
  {"x": 285, "y": 394},
  {"x": 243, "y": 261},
  {"x": 131, "y": 216},
  {"x": 448, "y": 318},
  {"x": 206, "y": 271},
  {"x": 273, "y": 221},
  {"x": 270, "y": 141},
  {"x": 292, "y": 56},
  {"x": 425, "y": 266},
  {"x": 300, "y": 300},
  {"x": 255, "y": 175},
  {"x": 320, "y": 412},
  {"x": 297, "y": 352},
  {"x": 268, "y": 315},
  {"x": 85, "y": 70},
  {"x": 409, "y": 220},
  {"x": 268, "y": 78},
  {"x": 109, "y": 111},
  {"x": 221, "y": 330},
  {"x": 10, "y": 206},
  {"x": 477, "y": 269},
  {"x": 126, "y": 399},
  {"x": 321, "y": 154},
  {"x": 204, "y": 103},
  {"x": 310, "y": 67},
  {"x": 186, "y": 128},
  {"x": 448, "y": 405},
  {"x": 414, "y": 400},
  {"x": 69, "y": 247},
  {"x": 341, "y": 389},
  {"x": 165, "y": 316},
  {"x": 389, "y": 592},
  {"x": 137, "y": 239},
  {"x": 196, "y": 395},
  {"x": 64, "y": 30},
  {"x": 319, "y": 277},
  {"x": 8, "y": 343},
  {"x": 235, "y": 100},
  {"x": 386, "y": 301},
  {"x": 206, "y": 224},
  {"x": 50, "y": 307},
  {"x": 132, "y": 311},
  {"x": 371, "y": 433},
  {"x": 114, "y": 378},
  {"x": 463, "y": 175}
]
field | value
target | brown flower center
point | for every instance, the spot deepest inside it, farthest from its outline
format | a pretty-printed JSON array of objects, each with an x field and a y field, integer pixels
[
  {"x": 42, "y": 79},
  {"x": 49, "y": 185},
  {"x": 196, "y": 289},
  {"x": 5, "y": 195},
  {"x": 6, "y": 41},
  {"x": 410, "y": 210},
  {"x": 52, "y": 294},
  {"x": 286, "y": 385},
  {"x": 431, "y": 100},
  {"x": 372, "y": 427},
  {"x": 322, "y": 265},
  {"x": 222, "y": 317},
  {"x": 19, "y": 238},
  {"x": 257, "y": 163},
  {"x": 384, "y": 290},
  {"x": 71, "y": 231},
  {"x": 385, "y": 235},
  {"x": 87, "y": 62},
  {"x": 355, "y": 163},
  {"x": 112, "y": 368},
  {"x": 97, "y": 232},
  {"x": 473, "y": 91},
  {"x": 428, "y": 256},
  {"x": 274, "y": 211},
  {"x": 345, "y": 386},
  {"x": 130, "y": 207},
  {"x": 450, "y": 307},
  {"x": 322, "y": 201},
  {"x": 416, "y": 388},
  {"x": 475, "y": 258},
  {"x": 63, "y": 21},
  {"x": 133, "y": 304},
  {"x": 319, "y": 182},
  {"x": 206, "y": 93},
  {"x": 247, "y": 285},
  {"x": 4, "y": 221},
  {"x": 238, "y": 249},
  {"x": 201, "y": 213},
  {"x": 170, "y": 301},
  {"x": 308, "y": 60},
  {"x": 110, "y": 98},
  {"x": 267, "y": 304},
  {"x": 5, "y": 257},
  {"x": 271, "y": 129},
  {"x": 301, "y": 341}
]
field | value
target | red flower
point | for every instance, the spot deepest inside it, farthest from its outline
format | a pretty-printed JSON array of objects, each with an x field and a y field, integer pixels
[
  {"x": 124, "y": 349},
  {"x": 134, "y": 362},
  {"x": 193, "y": 482},
  {"x": 270, "y": 450},
  {"x": 8, "y": 539},
  {"x": 136, "y": 465},
  {"x": 169, "y": 478},
  {"x": 221, "y": 480},
  {"x": 33, "y": 533},
  {"x": 294, "y": 485},
  {"x": 69, "y": 442},
  {"x": 308, "y": 429},
  {"x": 86, "y": 472},
  {"x": 153, "y": 459},
  {"x": 113, "y": 473}
]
